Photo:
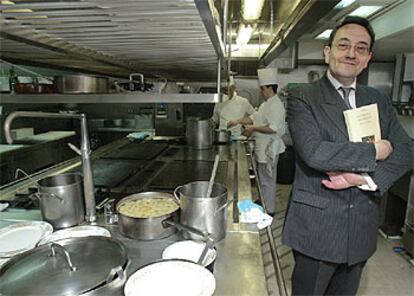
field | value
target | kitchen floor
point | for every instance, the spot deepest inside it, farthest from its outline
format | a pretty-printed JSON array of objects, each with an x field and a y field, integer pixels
[{"x": 386, "y": 272}]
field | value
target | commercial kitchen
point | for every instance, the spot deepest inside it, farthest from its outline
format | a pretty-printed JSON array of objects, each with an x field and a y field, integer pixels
[{"x": 104, "y": 102}]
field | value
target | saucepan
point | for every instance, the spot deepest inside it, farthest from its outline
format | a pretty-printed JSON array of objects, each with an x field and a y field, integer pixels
[
  {"x": 151, "y": 215},
  {"x": 141, "y": 215},
  {"x": 81, "y": 84},
  {"x": 61, "y": 200},
  {"x": 222, "y": 136}
]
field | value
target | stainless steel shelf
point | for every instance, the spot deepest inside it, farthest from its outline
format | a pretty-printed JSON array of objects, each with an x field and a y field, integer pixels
[{"x": 109, "y": 98}]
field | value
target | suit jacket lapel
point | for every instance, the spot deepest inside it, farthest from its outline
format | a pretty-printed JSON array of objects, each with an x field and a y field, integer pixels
[
  {"x": 333, "y": 105},
  {"x": 361, "y": 98}
]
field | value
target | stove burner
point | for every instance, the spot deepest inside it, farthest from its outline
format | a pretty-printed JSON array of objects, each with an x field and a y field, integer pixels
[{"x": 25, "y": 200}]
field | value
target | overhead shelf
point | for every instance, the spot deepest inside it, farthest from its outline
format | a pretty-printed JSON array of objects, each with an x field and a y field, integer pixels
[{"x": 109, "y": 98}]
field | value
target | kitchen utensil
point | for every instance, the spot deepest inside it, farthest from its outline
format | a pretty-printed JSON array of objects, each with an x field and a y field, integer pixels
[
  {"x": 208, "y": 244},
  {"x": 213, "y": 175},
  {"x": 146, "y": 228},
  {"x": 81, "y": 84},
  {"x": 61, "y": 200},
  {"x": 75, "y": 266},
  {"x": 198, "y": 211},
  {"x": 191, "y": 250},
  {"x": 136, "y": 83},
  {"x": 199, "y": 133},
  {"x": 222, "y": 136}
]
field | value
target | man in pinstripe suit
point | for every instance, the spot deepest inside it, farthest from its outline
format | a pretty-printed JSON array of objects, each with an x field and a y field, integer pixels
[{"x": 333, "y": 214}]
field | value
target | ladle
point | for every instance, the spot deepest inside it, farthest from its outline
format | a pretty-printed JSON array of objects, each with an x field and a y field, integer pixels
[{"x": 213, "y": 175}]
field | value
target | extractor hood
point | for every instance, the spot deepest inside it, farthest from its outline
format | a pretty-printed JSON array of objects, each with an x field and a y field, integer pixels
[{"x": 169, "y": 39}]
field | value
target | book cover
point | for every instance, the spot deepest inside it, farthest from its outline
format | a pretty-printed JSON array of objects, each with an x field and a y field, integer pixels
[{"x": 363, "y": 124}]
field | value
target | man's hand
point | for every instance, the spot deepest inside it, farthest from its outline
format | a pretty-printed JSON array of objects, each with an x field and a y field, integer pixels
[
  {"x": 340, "y": 180},
  {"x": 383, "y": 149},
  {"x": 232, "y": 123},
  {"x": 248, "y": 130}
]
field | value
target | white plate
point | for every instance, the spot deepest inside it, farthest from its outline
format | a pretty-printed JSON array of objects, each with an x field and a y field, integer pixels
[
  {"x": 171, "y": 277},
  {"x": 20, "y": 237},
  {"x": 189, "y": 250},
  {"x": 3, "y": 261},
  {"x": 76, "y": 231}
]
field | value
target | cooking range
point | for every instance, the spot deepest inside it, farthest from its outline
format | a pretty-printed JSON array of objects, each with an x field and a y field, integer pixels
[{"x": 146, "y": 166}]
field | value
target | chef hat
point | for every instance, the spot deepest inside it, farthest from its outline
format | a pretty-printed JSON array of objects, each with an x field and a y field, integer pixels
[
  {"x": 231, "y": 81},
  {"x": 267, "y": 76}
]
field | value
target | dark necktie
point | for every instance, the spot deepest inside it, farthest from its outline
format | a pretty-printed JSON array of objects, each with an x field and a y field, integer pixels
[{"x": 346, "y": 91}]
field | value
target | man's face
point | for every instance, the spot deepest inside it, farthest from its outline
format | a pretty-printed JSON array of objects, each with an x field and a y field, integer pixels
[
  {"x": 349, "y": 53},
  {"x": 266, "y": 92}
]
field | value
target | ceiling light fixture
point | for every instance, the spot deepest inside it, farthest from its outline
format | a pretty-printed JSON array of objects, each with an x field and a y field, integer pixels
[
  {"x": 244, "y": 35},
  {"x": 365, "y": 11},
  {"x": 343, "y": 4},
  {"x": 252, "y": 9},
  {"x": 16, "y": 10},
  {"x": 29, "y": 17},
  {"x": 325, "y": 34}
]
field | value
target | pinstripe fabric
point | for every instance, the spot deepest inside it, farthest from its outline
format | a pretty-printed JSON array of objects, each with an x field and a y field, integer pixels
[{"x": 338, "y": 226}]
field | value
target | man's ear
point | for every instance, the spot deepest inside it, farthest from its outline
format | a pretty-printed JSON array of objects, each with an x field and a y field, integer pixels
[
  {"x": 368, "y": 59},
  {"x": 326, "y": 53}
]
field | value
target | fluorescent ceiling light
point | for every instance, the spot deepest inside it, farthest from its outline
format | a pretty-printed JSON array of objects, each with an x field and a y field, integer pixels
[
  {"x": 248, "y": 50},
  {"x": 252, "y": 9},
  {"x": 365, "y": 11},
  {"x": 324, "y": 35},
  {"x": 244, "y": 35},
  {"x": 7, "y": 3},
  {"x": 343, "y": 4},
  {"x": 29, "y": 17},
  {"x": 16, "y": 10}
]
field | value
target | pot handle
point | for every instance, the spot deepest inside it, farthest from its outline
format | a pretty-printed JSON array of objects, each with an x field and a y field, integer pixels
[
  {"x": 55, "y": 247},
  {"x": 187, "y": 228},
  {"x": 121, "y": 273},
  {"x": 34, "y": 196},
  {"x": 39, "y": 195},
  {"x": 222, "y": 207},
  {"x": 177, "y": 199}
]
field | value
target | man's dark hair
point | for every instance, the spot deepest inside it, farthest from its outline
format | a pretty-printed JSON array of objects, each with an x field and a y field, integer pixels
[
  {"x": 273, "y": 86},
  {"x": 354, "y": 20}
]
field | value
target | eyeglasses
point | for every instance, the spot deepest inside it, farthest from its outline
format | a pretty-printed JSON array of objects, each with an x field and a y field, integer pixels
[{"x": 361, "y": 49}]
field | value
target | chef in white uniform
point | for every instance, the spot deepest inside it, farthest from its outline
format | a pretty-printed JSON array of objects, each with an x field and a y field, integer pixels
[
  {"x": 232, "y": 107},
  {"x": 267, "y": 126}
]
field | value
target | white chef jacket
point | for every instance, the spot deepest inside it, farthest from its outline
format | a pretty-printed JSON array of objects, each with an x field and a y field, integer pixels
[
  {"x": 271, "y": 113},
  {"x": 232, "y": 109}
]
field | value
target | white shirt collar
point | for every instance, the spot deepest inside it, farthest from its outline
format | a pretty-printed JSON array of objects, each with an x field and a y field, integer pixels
[{"x": 337, "y": 84}]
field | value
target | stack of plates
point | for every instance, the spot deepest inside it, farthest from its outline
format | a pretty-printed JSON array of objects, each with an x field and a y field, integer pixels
[{"x": 20, "y": 237}]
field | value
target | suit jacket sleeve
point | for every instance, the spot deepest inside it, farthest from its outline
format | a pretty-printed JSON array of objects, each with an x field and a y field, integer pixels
[
  {"x": 323, "y": 149},
  {"x": 401, "y": 160},
  {"x": 318, "y": 143}
]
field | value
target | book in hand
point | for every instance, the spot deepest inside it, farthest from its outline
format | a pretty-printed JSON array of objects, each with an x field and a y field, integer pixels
[{"x": 363, "y": 124}]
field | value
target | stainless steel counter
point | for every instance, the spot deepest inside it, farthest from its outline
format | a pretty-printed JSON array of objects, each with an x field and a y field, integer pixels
[{"x": 239, "y": 266}]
